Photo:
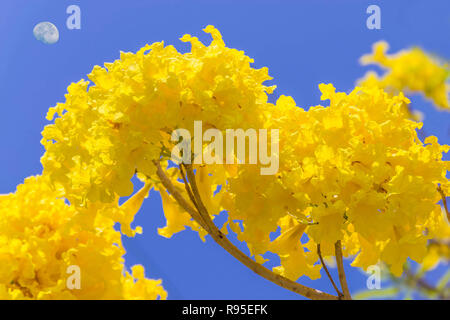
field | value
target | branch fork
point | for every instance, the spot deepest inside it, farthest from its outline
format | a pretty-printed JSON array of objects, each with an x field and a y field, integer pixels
[{"x": 199, "y": 213}]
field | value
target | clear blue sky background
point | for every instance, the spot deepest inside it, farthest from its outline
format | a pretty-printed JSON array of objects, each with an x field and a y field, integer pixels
[{"x": 303, "y": 43}]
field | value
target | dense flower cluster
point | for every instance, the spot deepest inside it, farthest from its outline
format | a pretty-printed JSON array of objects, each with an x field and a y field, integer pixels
[
  {"x": 409, "y": 71},
  {"x": 41, "y": 237},
  {"x": 354, "y": 171},
  {"x": 114, "y": 128}
]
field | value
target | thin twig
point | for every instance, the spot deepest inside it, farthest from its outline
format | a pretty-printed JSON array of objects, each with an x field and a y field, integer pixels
[
  {"x": 191, "y": 196},
  {"x": 444, "y": 201},
  {"x": 327, "y": 272},
  {"x": 340, "y": 266},
  {"x": 200, "y": 205},
  {"x": 223, "y": 241},
  {"x": 177, "y": 196},
  {"x": 188, "y": 189}
]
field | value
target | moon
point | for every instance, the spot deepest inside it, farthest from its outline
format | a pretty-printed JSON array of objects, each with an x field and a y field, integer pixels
[{"x": 46, "y": 32}]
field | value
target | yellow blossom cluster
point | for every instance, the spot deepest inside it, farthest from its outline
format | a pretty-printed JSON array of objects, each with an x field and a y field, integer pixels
[
  {"x": 410, "y": 70},
  {"x": 353, "y": 171},
  {"x": 42, "y": 238},
  {"x": 110, "y": 130}
]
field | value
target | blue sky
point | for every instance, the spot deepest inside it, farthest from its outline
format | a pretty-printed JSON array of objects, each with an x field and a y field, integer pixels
[{"x": 303, "y": 43}]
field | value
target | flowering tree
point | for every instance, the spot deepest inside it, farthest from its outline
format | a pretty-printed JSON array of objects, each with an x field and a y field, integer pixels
[{"x": 353, "y": 177}]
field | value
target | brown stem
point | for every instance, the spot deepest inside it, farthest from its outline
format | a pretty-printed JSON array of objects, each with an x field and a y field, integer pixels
[
  {"x": 192, "y": 197},
  {"x": 202, "y": 217},
  {"x": 198, "y": 201},
  {"x": 340, "y": 266},
  {"x": 177, "y": 196},
  {"x": 319, "y": 253},
  {"x": 444, "y": 201}
]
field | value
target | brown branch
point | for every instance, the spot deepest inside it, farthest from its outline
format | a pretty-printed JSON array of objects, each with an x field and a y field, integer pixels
[
  {"x": 202, "y": 217},
  {"x": 319, "y": 253},
  {"x": 191, "y": 196},
  {"x": 186, "y": 186},
  {"x": 198, "y": 201},
  {"x": 444, "y": 201},
  {"x": 177, "y": 196},
  {"x": 340, "y": 266}
]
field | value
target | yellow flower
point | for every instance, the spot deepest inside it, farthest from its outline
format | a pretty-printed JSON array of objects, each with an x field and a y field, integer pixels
[
  {"x": 41, "y": 237},
  {"x": 105, "y": 133},
  {"x": 353, "y": 171},
  {"x": 410, "y": 70}
]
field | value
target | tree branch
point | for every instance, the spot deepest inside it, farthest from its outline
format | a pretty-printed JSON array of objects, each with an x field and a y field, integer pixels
[
  {"x": 319, "y": 253},
  {"x": 202, "y": 217},
  {"x": 444, "y": 201},
  {"x": 340, "y": 266},
  {"x": 177, "y": 196}
]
